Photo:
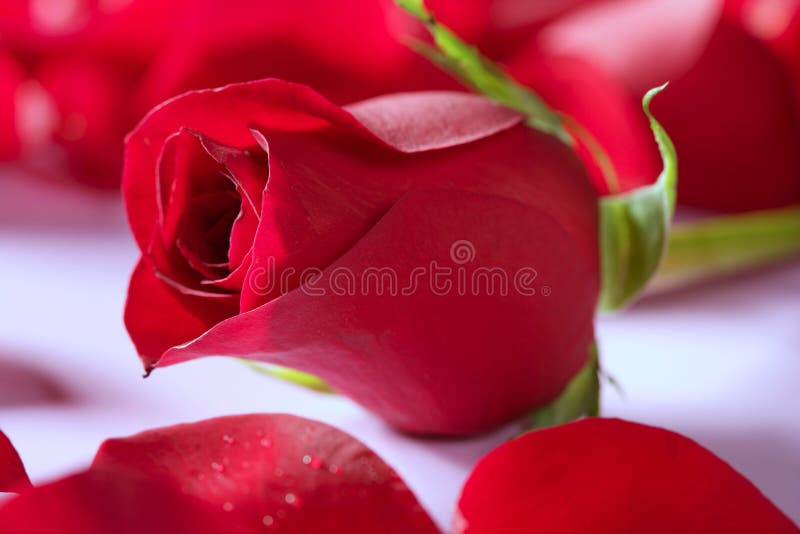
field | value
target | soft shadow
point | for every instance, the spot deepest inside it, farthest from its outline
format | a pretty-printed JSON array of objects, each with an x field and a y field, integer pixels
[
  {"x": 768, "y": 457},
  {"x": 766, "y": 281},
  {"x": 23, "y": 384},
  {"x": 32, "y": 201}
]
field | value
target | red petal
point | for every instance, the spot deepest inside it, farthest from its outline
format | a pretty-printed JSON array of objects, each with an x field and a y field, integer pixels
[
  {"x": 228, "y": 114},
  {"x": 411, "y": 358},
  {"x": 12, "y": 473},
  {"x": 158, "y": 316},
  {"x": 608, "y": 476},
  {"x": 717, "y": 114},
  {"x": 278, "y": 471},
  {"x": 100, "y": 502},
  {"x": 625, "y": 38}
]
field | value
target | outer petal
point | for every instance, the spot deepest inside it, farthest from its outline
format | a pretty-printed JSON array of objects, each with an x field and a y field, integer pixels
[
  {"x": 607, "y": 476},
  {"x": 12, "y": 473},
  {"x": 278, "y": 471},
  {"x": 318, "y": 207},
  {"x": 99, "y": 502},
  {"x": 228, "y": 114},
  {"x": 434, "y": 360}
]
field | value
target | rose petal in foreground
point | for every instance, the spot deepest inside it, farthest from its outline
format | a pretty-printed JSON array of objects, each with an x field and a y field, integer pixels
[
  {"x": 278, "y": 471},
  {"x": 12, "y": 473},
  {"x": 609, "y": 476},
  {"x": 100, "y": 502}
]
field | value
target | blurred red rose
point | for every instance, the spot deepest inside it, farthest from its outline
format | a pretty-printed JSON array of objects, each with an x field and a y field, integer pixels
[
  {"x": 103, "y": 65},
  {"x": 11, "y": 79},
  {"x": 240, "y": 198},
  {"x": 599, "y": 476},
  {"x": 248, "y": 473},
  {"x": 730, "y": 108}
]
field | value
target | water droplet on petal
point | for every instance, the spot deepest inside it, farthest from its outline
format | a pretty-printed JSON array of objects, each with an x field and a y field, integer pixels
[
  {"x": 268, "y": 520},
  {"x": 228, "y": 439},
  {"x": 306, "y": 459},
  {"x": 293, "y": 500},
  {"x": 218, "y": 467},
  {"x": 266, "y": 443},
  {"x": 227, "y": 506},
  {"x": 334, "y": 469}
]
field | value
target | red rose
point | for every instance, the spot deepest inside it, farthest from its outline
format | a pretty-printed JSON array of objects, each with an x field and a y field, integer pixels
[
  {"x": 607, "y": 476},
  {"x": 730, "y": 108},
  {"x": 11, "y": 78},
  {"x": 105, "y": 67},
  {"x": 237, "y": 195},
  {"x": 12, "y": 473},
  {"x": 248, "y": 473}
]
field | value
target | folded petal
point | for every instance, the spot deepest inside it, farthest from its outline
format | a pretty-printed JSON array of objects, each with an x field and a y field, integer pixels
[
  {"x": 273, "y": 471},
  {"x": 227, "y": 115},
  {"x": 159, "y": 316},
  {"x": 607, "y": 476}
]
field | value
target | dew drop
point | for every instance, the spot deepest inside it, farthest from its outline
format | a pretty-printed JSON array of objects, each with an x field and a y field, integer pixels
[
  {"x": 228, "y": 439},
  {"x": 293, "y": 500},
  {"x": 227, "y": 506},
  {"x": 268, "y": 520},
  {"x": 266, "y": 443},
  {"x": 307, "y": 459},
  {"x": 334, "y": 469},
  {"x": 218, "y": 467}
]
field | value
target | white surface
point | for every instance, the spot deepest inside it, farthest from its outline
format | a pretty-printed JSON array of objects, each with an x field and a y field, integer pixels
[{"x": 720, "y": 364}]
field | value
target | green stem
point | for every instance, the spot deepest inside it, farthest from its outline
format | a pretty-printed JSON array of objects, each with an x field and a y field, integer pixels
[{"x": 728, "y": 244}]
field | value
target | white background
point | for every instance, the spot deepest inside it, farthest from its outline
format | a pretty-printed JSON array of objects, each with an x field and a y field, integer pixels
[{"x": 720, "y": 363}]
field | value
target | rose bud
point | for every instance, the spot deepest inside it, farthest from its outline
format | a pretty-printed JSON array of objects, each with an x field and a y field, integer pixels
[
  {"x": 249, "y": 473},
  {"x": 426, "y": 254},
  {"x": 608, "y": 476},
  {"x": 12, "y": 473},
  {"x": 727, "y": 89}
]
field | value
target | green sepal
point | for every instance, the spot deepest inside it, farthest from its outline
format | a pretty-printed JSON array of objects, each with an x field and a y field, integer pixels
[
  {"x": 290, "y": 375},
  {"x": 634, "y": 226},
  {"x": 467, "y": 64},
  {"x": 581, "y": 398}
]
